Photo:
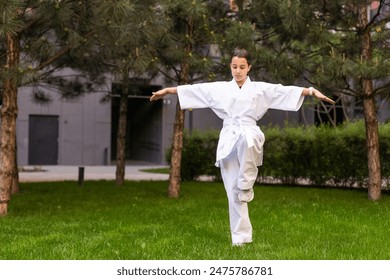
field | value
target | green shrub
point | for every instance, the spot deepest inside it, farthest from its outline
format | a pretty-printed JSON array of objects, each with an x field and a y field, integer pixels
[
  {"x": 323, "y": 155},
  {"x": 297, "y": 154},
  {"x": 198, "y": 155},
  {"x": 286, "y": 154},
  {"x": 384, "y": 132},
  {"x": 340, "y": 155}
]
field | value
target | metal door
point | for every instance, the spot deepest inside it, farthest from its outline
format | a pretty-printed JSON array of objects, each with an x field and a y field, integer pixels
[{"x": 43, "y": 140}]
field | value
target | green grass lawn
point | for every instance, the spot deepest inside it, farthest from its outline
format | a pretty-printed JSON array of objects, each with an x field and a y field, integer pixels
[
  {"x": 163, "y": 170},
  {"x": 137, "y": 221}
]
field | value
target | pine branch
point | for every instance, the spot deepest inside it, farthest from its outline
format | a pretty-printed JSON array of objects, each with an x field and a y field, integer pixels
[
  {"x": 58, "y": 54},
  {"x": 383, "y": 89}
]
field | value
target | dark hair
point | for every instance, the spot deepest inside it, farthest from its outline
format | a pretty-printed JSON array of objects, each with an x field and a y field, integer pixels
[{"x": 242, "y": 53}]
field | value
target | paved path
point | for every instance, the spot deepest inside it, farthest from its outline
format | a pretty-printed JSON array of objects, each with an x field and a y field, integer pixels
[{"x": 71, "y": 173}]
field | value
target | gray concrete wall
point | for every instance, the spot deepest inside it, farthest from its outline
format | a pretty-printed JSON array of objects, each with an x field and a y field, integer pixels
[{"x": 84, "y": 127}]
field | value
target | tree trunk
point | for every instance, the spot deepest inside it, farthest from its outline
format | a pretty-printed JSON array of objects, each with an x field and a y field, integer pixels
[
  {"x": 9, "y": 111},
  {"x": 177, "y": 147},
  {"x": 15, "y": 181},
  {"x": 121, "y": 136},
  {"x": 370, "y": 115},
  {"x": 177, "y": 144},
  {"x": 372, "y": 142}
]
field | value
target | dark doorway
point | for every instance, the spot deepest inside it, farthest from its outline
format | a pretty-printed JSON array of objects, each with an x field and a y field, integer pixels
[
  {"x": 330, "y": 114},
  {"x": 144, "y": 125},
  {"x": 43, "y": 140}
]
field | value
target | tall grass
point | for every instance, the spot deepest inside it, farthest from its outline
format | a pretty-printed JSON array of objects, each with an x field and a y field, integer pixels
[{"x": 137, "y": 221}]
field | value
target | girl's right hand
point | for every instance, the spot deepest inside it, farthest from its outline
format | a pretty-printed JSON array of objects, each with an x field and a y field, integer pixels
[{"x": 157, "y": 94}]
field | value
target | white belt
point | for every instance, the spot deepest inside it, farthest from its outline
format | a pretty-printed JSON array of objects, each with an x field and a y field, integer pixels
[{"x": 243, "y": 126}]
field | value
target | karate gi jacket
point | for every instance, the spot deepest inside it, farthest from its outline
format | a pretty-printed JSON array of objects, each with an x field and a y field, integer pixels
[{"x": 239, "y": 108}]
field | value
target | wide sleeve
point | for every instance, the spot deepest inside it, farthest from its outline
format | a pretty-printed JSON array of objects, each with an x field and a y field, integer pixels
[
  {"x": 287, "y": 98},
  {"x": 197, "y": 95}
]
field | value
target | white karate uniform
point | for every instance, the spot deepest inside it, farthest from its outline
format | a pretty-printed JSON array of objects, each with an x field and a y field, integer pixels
[{"x": 240, "y": 146}]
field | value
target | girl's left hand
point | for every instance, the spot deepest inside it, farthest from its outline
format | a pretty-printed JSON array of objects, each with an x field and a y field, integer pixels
[{"x": 322, "y": 97}]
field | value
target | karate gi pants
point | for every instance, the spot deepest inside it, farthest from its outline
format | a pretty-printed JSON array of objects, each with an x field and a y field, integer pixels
[{"x": 239, "y": 172}]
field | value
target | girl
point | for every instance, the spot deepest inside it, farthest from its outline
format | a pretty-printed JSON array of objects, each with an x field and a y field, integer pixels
[{"x": 240, "y": 103}]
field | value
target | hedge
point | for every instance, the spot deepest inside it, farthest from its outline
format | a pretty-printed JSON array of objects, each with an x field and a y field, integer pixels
[
  {"x": 297, "y": 154},
  {"x": 198, "y": 155}
]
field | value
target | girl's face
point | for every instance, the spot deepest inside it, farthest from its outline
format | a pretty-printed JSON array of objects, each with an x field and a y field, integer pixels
[{"x": 240, "y": 68}]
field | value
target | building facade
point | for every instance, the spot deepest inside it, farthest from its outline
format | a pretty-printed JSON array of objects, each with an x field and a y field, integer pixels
[{"x": 82, "y": 130}]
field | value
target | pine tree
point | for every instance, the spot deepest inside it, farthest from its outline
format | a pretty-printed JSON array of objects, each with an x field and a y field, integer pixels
[
  {"x": 185, "y": 54},
  {"x": 336, "y": 46},
  {"x": 44, "y": 31},
  {"x": 9, "y": 111},
  {"x": 123, "y": 35}
]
